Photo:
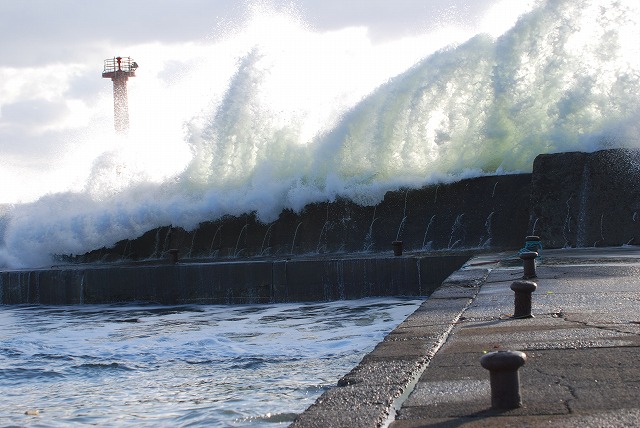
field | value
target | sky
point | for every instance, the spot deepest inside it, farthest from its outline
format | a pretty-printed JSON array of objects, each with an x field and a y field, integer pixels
[
  {"x": 52, "y": 94},
  {"x": 37, "y": 32}
]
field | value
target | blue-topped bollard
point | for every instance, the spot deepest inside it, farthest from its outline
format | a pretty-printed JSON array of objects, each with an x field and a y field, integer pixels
[{"x": 533, "y": 243}]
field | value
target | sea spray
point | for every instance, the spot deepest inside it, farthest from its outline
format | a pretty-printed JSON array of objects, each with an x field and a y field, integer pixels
[{"x": 281, "y": 134}]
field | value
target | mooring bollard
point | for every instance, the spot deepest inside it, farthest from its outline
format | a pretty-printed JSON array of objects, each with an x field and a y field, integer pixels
[
  {"x": 397, "y": 248},
  {"x": 533, "y": 243},
  {"x": 529, "y": 264},
  {"x": 173, "y": 255},
  {"x": 504, "y": 378},
  {"x": 522, "y": 298}
]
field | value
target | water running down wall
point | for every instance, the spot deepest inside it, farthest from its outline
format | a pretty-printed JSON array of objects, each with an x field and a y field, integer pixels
[
  {"x": 482, "y": 213},
  {"x": 244, "y": 282},
  {"x": 569, "y": 198}
]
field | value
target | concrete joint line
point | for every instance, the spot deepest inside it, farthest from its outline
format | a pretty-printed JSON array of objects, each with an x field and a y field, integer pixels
[
  {"x": 442, "y": 339},
  {"x": 599, "y": 327}
]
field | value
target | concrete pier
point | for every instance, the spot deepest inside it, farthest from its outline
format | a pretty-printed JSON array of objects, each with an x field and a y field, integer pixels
[{"x": 582, "y": 349}]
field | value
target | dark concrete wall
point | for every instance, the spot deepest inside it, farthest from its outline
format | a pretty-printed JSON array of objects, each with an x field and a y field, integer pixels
[
  {"x": 486, "y": 212},
  {"x": 587, "y": 199},
  {"x": 570, "y": 199},
  {"x": 231, "y": 282}
]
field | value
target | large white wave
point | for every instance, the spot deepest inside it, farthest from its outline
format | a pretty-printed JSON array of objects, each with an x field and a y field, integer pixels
[{"x": 300, "y": 116}]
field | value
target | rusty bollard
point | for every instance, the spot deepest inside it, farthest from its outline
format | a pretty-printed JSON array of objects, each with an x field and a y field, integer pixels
[
  {"x": 522, "y": 298},
  {"x": 397, "y": 248},
  {"x": 173, "y": 255},
  {"x": 504, "y": 378},
  {"x": 529, "y": 264}
]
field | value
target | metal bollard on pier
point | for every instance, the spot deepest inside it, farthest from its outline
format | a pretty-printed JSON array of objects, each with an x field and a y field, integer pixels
[
  {"x": 505, "y": 381},
  {"x": 533, "y": 243},
  {"x": 522, "y": 298},
  {"x": 173, "y": 255},
  {"x": 529, "y": 264},
  {"x": 397, "y": 248}
]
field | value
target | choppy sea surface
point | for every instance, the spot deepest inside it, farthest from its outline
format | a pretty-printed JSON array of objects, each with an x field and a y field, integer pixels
[{"x": 124, "y": 365}]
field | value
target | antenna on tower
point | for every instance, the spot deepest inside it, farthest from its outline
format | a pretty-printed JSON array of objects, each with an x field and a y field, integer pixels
[{"x": 119, "y": 70}]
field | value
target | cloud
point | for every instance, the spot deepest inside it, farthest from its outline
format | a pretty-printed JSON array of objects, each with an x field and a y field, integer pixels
[
  {"x": 31, "y": 112},
  {"x": 386, "y": 20},
  {"x": 39, "y": 31},
  {"x": 86, "y": 85}
]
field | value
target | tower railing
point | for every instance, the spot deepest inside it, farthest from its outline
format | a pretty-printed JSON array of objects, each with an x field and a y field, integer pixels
[{"x": 125, "y": 64}]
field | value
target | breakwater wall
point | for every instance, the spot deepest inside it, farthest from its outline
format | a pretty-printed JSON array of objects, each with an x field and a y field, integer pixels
[
  {"x": 586, "y": 199},
  {"x": 572, "y": 199},
  {"x": 242, "y": 282},
  {"x": 339, "y": 249},
  {"x": 486, "y": 212}
]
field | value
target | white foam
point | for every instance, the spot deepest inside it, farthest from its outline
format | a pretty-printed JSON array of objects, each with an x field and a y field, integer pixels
[{"x": 150, "y": 366}]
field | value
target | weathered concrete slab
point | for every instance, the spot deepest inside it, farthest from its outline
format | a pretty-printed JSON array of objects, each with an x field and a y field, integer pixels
[
  {"x": 583, "y": 346},
  {"x": 619, "y": 418},
  {"x": 582, "y": 351},
  {"x": 395, "y": 364}
]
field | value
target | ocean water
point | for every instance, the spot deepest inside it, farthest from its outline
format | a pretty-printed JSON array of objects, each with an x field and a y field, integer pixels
[
  {"x": 126, "y": 365},
  {"x": 275, "y": 115}
]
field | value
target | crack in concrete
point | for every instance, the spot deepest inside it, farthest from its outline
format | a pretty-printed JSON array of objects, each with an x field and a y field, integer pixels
[
  {"x": 568, "y": 403},
  {"x": 570, "y": 389},
  {"x": 566, "y": 318}
]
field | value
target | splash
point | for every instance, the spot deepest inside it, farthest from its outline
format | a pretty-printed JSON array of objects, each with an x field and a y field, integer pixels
[{"x": 279, "y": 116}]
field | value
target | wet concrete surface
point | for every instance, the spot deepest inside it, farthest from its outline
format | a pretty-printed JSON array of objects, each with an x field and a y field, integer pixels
[{"x": 582, "y": 347}]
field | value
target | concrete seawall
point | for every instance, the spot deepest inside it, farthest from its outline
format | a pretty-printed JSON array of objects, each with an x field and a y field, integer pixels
[
  {"x": 569, "y": 200},
  {"x": 486, "y": 212},
  {"x": 238, "y": 282}
]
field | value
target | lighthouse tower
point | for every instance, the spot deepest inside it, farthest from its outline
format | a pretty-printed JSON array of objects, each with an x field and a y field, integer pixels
[{"x": 119, "y": 70}]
